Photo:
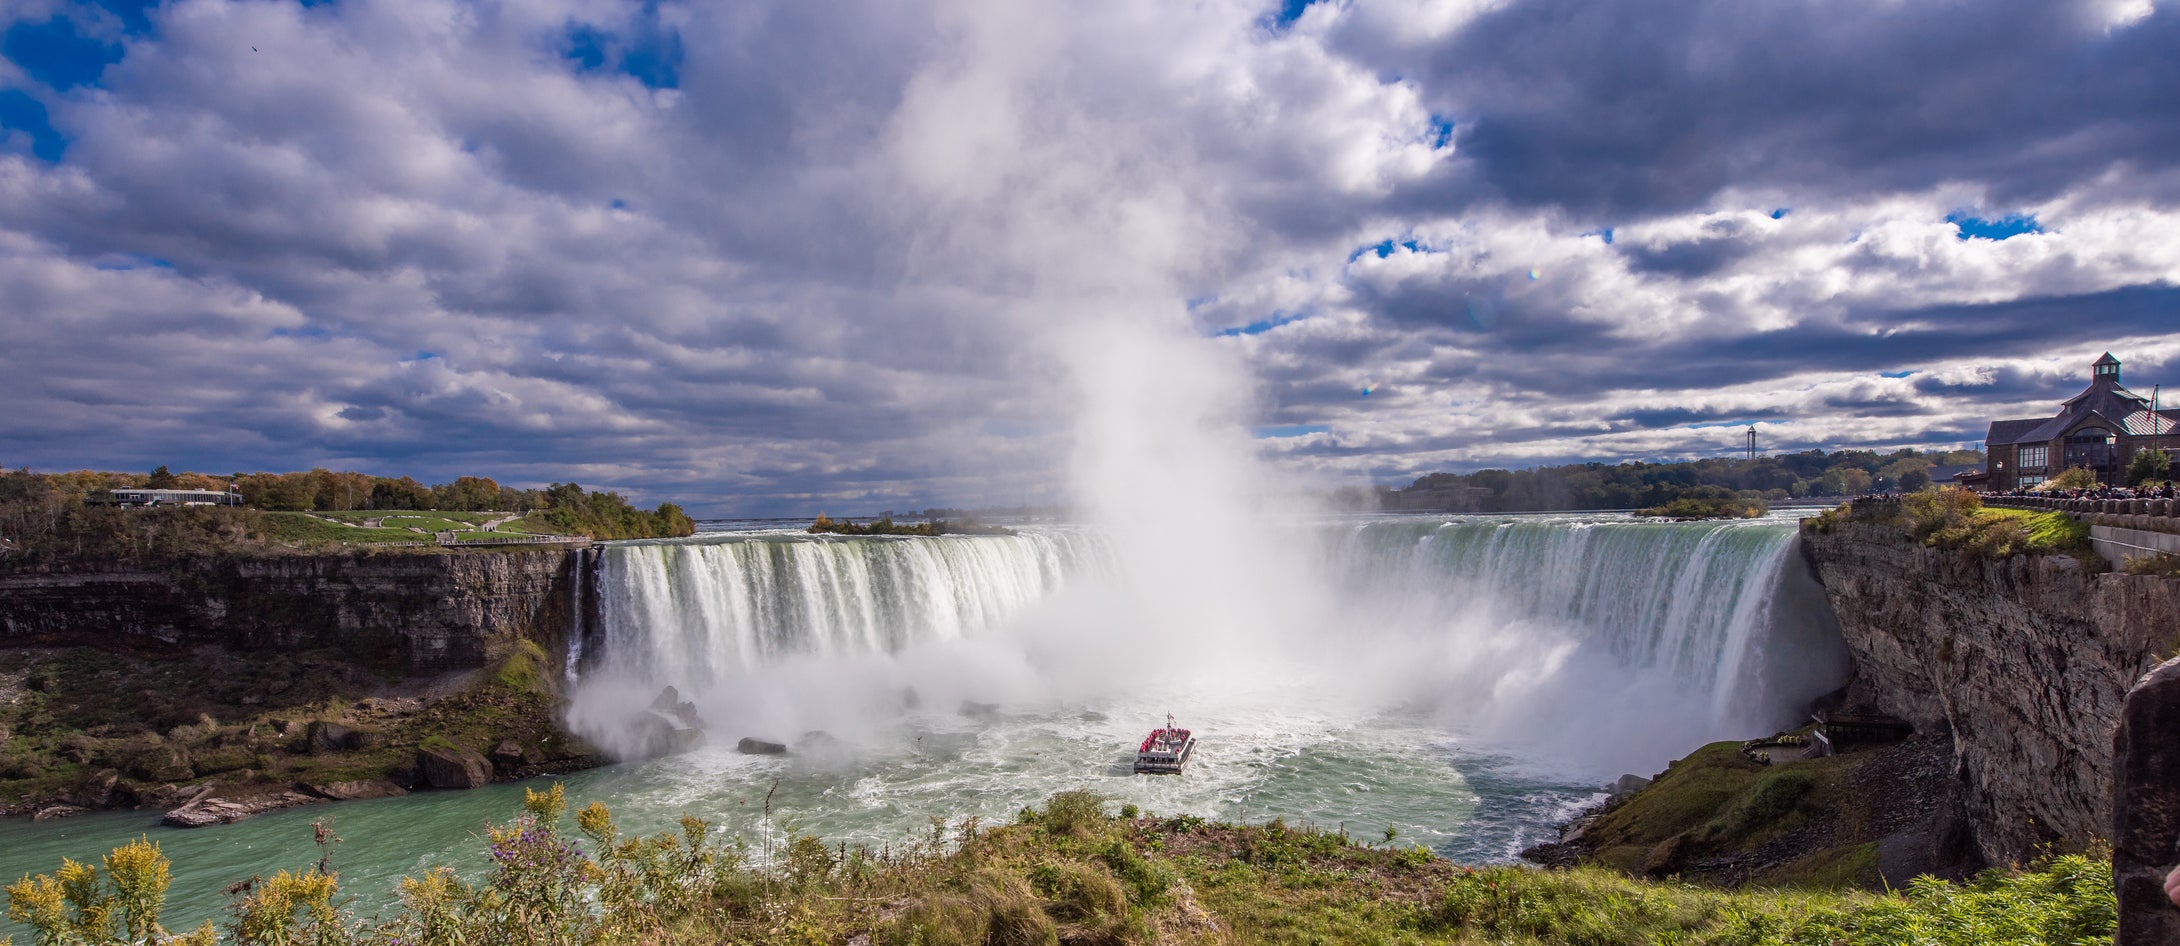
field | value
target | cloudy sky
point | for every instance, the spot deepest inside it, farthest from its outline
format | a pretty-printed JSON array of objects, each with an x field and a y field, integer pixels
[{"x": 760, "y": 256}]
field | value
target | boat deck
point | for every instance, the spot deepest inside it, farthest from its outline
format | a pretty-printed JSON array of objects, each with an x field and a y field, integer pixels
[{"x": 1165, "y": 752}]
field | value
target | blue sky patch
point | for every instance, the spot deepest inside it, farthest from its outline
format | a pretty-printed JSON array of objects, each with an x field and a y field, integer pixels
[
  {"x": 1441, "y": 132},
  {"x": 135, "y": 15},
  {"x": 585, "y": 45},
  {"x": 1605, "y": 233},
  {"x": 1781, "y": 213},
  {"x": 1706, "y": 425},
  {"x": 25, "y": 115},
  {"x": 56, "y": 53},
  {"x": 1384, "y": 249},
  {"x": 1973, "y": 227},
  {"x": 128, "y": 261},
  {"x": 652, "y": 56},
  {"x": 1261, "y": 326},
  {"x": 1290, "y": 11},
  {"x": 1894, "y": 374},
  {"x": 1279, "y": 431}
]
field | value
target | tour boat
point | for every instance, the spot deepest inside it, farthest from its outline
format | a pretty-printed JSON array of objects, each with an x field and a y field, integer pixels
[{"x": 1165, "y": 751}]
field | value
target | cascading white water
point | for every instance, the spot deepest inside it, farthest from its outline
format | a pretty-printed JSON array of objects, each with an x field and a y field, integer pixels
[
  {"x": 1703, "y": 630},
  {"x": 1718, "y": 613},
  {"x": 694, "y": 611}
]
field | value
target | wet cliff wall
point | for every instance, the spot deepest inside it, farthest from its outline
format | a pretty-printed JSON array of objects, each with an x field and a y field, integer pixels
[
  {"x": 412, "y": 613},
  {"x": 2024, "y": 662}
]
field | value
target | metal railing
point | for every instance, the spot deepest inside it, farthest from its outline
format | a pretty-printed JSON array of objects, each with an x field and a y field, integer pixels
[{"x": 450, "y": 539}]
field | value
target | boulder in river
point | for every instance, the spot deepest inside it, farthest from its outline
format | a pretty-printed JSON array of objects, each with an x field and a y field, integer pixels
[
  {"x": 670, "y": 704},
  {"x": 511, "y": 755},
  {"x": 751, "y": 745},
  {"x": 657, "y": 734},
  {"x": 208, "y": 810},
  {"x": 453, "y": 768},
  {"x": 356, "y": 790}
]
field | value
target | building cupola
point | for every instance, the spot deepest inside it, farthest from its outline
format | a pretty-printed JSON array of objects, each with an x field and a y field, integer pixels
[{"x": 2105, "y": 369}]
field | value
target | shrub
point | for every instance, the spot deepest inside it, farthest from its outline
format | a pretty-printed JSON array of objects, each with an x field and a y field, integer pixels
[
  {"x": 2164, "y": 564},
  {"x": 2147, "y": 465},
  {"x": 1074, "y": 813},
  {"x": 940, "y": 919},
  {"x": 1774, "y": 797},
  {"x": 1146, "y": 883},
  {"x": 1080, "y": 893},
  {"x": 1940, "y": 510}
]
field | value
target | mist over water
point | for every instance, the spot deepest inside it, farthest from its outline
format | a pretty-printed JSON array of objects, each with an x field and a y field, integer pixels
[
  {"x": 1469, "y": 678},
  {"x": 1473, "y": 682}
]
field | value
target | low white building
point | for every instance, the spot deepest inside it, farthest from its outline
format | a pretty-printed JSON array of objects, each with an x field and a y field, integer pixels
[{"x": 173, "y": 497}]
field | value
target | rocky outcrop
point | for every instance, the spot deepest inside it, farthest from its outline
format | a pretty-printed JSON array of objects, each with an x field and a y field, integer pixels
[
  {"x": 453, "y": 768},
  {"x": 209, "y": 807},
  {"x": 2146, "y": 808},
  {"x": 751, "y": 745},
  {"x": 414, "y": 612},
  {"x": 2023, "y": 662},
  {"x": 356, "y": 790}
]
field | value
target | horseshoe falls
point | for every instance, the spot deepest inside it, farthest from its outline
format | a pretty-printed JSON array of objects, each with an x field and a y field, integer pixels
[
  {"x": 1469, "y": 682},
  {"x": 1715, "y": 625}
]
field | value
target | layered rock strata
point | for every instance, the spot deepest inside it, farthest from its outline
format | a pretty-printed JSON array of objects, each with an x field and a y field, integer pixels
[
  {"x": 408, "y": 613},
  {"x": 2146, "y": 810},
  {"x": 2023, "y": 662}
]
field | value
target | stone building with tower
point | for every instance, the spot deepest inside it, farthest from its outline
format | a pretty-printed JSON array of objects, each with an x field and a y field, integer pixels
[{"x": 2100, "y": 428}]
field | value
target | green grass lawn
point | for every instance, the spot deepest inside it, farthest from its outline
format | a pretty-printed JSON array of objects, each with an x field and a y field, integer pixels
[
  {"x": 297, "y": 528},
  {"x": 312, "y": 529}
]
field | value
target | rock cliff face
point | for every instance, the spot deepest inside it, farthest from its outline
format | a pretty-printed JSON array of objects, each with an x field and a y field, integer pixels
[
  {"x": 408, "y": 613},
  {"x": 2024, "y": 662},
  {"x": 2146, "y": 824}
]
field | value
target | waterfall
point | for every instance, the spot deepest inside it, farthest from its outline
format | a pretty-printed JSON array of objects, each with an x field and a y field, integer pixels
[
  {"x": 1720, "y": 610},
  {"x": 693, "y": 611},
  {"x": 1511, "y": 627}
]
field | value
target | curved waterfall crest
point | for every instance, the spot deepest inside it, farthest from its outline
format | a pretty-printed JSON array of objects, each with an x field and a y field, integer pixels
[
  {"x": 692, "y": 611},
  {"x": 1713, "y": 607},
  {"x": 1716, "y": 612}
]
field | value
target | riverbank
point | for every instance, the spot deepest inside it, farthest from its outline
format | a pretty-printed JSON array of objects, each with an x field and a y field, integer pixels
[
  {"x": 212, "y": 736},
  {"x": 1732, "y": 816},
  {"x": 222, "y": 686}
]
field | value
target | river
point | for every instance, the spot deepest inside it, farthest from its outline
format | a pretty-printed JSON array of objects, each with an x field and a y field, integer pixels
[{"x": 1466, "y": 682}]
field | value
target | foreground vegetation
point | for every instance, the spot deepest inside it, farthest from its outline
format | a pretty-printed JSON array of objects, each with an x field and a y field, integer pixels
[
  {"x": 1067, "y": 874},
  {"x": 1957, "y": 519},
  {"x": 101, "y": 729}
]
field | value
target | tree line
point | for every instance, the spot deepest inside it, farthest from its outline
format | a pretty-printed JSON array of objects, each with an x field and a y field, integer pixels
[
  {"x": 61, "y": 516},
  {"x": 1636, "y": 484}
]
